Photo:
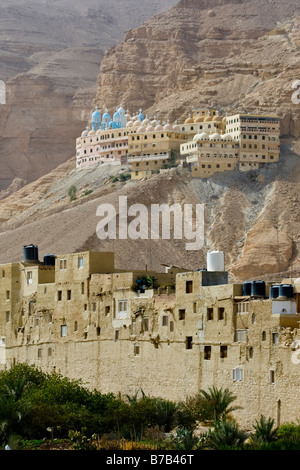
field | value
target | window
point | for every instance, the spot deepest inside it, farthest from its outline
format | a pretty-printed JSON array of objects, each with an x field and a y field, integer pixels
[
  {"x": 171, "y": 326},
  {"x": 251, "y": 351},
  {"x": 210, "y": 313},
  {"x": 117, "y": 335},
  {"x": 263, "y": 336},
  {"x": 136, "y": 350},
  {"x": 241, "y": 336},
  {"x": 63, "y": 331},
  {"x": 237, "y": 374},
  {"x": 189, "y": 342},
  {"x": 207, "y": 353},
  {"x": 223, "y": 352},
  {"x": 75, "y": 326},
  {"x": 146, "y": 324},
  {"x": 98, "y": 330},
  {"x": 189, "y": 287},
  {"x": 80, "y": 262},
  {"x": 165, "y": 320},
  {"x": 221, "y": 313},
  {"x": 8, "y": 295},
  {"x": 182, "y": 314},
  {"x": 29, "y": 277},
  {"x": 122, "y": 308},
  {"x": 275, "y": 338},
  {"x": 63, "y": 264},
  {"x": 7, "y": 317},
  {"x": 94, "y": 306},
  {"x": 69, "y": 294},
  {"x": 82, "y": 288},
  {"x": 107, "y": 310},
  {"x": 272, "y": 376},
  {"x": 3, "y": 273}
]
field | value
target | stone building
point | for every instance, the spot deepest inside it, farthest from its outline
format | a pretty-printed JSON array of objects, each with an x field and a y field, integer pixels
[{"x": 186, "y": 331}]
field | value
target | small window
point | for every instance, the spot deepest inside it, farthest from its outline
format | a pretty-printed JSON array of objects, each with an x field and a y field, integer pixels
[
  {"x": 63, "y": 264},
  {"x": 82, "y": 288},
  {"x": 207, "y": 353},
  {"x": 171, "y": 326},
  {"x": 75, "y": 326},
  {"x": 7, "y": 317},
  {"x": 275, "y": 338},
  {"x": 29, "y": 277},
  {"x": 263, "y": 336},
  {"x": 223, "y": 352},
  {"x": 98, "y": 330},
  {"x": 107, "y": 310},
  {"x": 189, "y": 287},
  {"x": 146, "y": 324},
  {"x": 69, "y": 294},
  {"x": 272, "y": 376},
  {"x": 3, "y": 273},
  {"x": 251, "y": 352},
  {"x": 80, "y": 262},
  {"x": 63, "y": 331},
  {"x": 117, "y": 335},
  {"x": 123, "y": 306},
  {"x": 8, "y": 295},
  {"x": 237, "y": 374},
  {"x": 210, "y": 313},
  {"x": 189, "y": 342},
  {"x": 165, "y": 320},
  {"x": 136, "y": 350},
  {"x": 182, "y": 314},
  {"x": 94, "y": 307},
  {"x": 221, "y": 313}
]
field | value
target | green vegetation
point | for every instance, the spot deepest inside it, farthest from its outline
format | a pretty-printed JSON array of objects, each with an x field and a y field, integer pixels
[
  {"x": 122, "y": 177},
  {"x": 72, "y": 193},
  {"x": 145, "y": 282},
  {"x": 48, "y": 411}
]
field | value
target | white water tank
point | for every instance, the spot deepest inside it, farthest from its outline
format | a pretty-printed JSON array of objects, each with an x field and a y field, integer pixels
[{"x": 216, "y": 261}]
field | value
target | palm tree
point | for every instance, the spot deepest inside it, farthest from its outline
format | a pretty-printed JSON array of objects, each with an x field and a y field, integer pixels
[
  {"x": 264, "y": 430},
  {"x": 225, "y": 435},
  {"x": 219, "y": 402}
]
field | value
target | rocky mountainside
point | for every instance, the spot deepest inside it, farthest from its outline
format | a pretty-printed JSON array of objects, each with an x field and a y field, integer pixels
[
  {"x": 236, "y": 55},
  {"x": 50, "y": 54},
  {"x": 254, "y": 218}
]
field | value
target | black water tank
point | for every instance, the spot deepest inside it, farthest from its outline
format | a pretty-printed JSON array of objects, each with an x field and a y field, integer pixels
[
  {"x": 49, "y": 260},
  {"x": 286, "y": 290},
  {"x": 30, "y": 253},
  {"x": 247, "y": 288},
  {"x": 258, "y": 288},
  {"x": 274, "y": 292}
]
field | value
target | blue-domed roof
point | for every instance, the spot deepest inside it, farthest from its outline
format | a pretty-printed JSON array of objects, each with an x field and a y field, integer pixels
[
  {"x": 96, "y": 116},
  {"x": 106, "y": 116}
]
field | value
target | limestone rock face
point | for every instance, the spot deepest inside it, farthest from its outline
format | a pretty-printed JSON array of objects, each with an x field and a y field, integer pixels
[
  {"x": 235, "y": 55},
  {"x": 50, "y": 55}
]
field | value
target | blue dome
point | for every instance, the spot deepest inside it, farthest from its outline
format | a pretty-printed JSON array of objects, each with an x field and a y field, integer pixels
[
  {"x": 96, "y": 116},
  {"x": 117, "y": 115},
  {"x": 113, "y": 125},
  {"x": 121, "y": 111},
  {"x": 106, "y": 117}
]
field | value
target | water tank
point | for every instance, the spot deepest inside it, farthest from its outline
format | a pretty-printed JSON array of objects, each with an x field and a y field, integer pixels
[
  {"x": 274, "y": 292},
  {"x": 215, "y": 261},
  {"x": 49, "y": 260},
  {"x": 258, "y": 288},
  {"x": 247, "y": 288},
  {"x": 30, "y": 253},
  {"x": 286, "y": 290}
]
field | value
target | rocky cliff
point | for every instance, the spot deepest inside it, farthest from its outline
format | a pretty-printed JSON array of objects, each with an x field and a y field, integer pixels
[
  {"x": 50, "y": 54},
  {"x": 241, "y": 55}
]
